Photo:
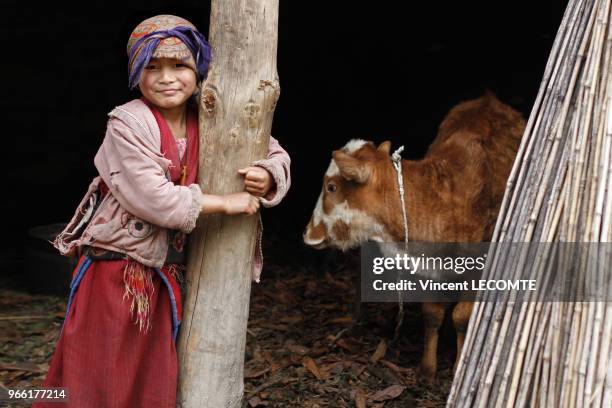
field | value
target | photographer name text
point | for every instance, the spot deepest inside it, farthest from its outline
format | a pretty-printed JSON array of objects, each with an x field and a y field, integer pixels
[{"x": 476, "y": 285}]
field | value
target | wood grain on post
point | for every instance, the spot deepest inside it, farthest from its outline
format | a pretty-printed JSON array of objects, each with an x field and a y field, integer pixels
[{"x": 236, "y": 109}]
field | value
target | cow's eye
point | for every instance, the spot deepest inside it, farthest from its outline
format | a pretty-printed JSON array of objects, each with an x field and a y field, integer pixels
[{"x": 331, "y": 188}]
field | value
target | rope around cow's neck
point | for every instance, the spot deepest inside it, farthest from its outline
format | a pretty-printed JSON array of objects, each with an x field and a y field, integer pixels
[{"x": 397, "y": 164}]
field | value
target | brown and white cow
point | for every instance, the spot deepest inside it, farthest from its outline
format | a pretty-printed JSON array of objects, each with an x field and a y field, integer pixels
[{"x": 452, "y": 195}]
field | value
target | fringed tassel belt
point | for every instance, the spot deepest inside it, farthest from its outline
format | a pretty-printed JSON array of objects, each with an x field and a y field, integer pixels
[{"x": 138, "y": 281}]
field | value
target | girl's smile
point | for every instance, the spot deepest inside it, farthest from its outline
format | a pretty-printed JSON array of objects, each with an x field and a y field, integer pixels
[{"x": 169, "y": 92}]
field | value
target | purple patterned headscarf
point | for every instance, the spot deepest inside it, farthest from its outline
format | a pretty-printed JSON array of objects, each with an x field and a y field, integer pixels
[{"x": 167, "y": 36}]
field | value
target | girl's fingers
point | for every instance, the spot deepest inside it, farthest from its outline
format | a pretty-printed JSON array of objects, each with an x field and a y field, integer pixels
[
  {"x": 247, "y": 170},
  {"x": 251, "y": 173},
  {"x": 251, "y": 210},
  {"x": 252, "y": 206},
  {"x": 255, "y": 176},
  {"x": 254, "y": 184},
  {"x": 255, "y": 188},
  {"x": 254, "y": 191}
]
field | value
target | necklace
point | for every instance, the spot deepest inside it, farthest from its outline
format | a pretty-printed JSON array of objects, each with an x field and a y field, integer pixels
[{"x": 183, "y": 160}]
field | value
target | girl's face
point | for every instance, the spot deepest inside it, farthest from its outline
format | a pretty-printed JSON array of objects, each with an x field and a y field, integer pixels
[{"x": 167, "y": 82}]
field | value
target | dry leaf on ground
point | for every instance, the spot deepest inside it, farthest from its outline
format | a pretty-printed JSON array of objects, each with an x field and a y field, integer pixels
[
  {"x": 380, "y": 351},
  {"x": 388, "y": 393},
  {"x": 311, "y": 366}
]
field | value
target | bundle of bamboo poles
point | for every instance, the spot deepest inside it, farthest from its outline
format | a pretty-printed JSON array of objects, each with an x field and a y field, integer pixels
[{"x": 540, "y": 352}]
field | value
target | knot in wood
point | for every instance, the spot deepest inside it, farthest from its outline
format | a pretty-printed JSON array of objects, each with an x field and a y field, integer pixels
[
  {"x": 235, "y": 131},
  {"x": 274, "y": 86},
  {"x": 209, "y": 101},
  {"x": 252, "y": 110}
]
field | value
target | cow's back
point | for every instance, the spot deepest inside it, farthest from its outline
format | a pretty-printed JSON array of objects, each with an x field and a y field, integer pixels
[{"x": 475, "y": 148}]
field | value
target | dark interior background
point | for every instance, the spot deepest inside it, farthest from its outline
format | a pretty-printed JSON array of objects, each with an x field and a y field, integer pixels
[{"x": 376, "y": 70}]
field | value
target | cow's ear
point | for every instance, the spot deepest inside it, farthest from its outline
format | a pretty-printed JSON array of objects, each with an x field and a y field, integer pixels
[
  {"x": 350, "y": 167},
  {"x": 385, "y": 147}
]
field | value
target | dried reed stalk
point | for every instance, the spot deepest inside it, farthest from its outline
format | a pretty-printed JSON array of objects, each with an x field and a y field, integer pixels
[{"x": 553, "y": 347}]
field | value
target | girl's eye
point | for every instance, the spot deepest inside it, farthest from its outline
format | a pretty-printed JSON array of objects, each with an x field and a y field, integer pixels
[
  {"x": 180, "y": 65},
  {"x": 150, "y": 67},
  {"x": 331, "y": 188}
]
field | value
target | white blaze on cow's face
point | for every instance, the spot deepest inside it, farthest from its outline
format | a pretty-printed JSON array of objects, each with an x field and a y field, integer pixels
[{"x": 340, "y": 218}]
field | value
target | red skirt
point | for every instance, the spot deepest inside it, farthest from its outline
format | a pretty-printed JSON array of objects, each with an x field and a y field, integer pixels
[{"x": 102, "y": 357}]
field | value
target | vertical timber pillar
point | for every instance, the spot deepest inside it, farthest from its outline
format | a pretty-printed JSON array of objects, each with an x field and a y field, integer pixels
[{"x": 236, "y": 109}]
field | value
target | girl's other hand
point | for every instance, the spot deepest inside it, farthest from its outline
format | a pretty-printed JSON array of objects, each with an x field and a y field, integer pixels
[
  {"x": 240, "y": 203},
  {"x": 257, "y": 180}
]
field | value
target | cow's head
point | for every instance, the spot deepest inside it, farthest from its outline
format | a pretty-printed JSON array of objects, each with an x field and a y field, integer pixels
[{"x": 353, "y": 191}]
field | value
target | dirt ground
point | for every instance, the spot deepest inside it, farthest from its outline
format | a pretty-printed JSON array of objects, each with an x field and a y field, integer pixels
[{"x": 303, "y": 349}]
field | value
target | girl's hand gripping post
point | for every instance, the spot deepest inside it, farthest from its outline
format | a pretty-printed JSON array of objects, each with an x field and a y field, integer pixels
[{"x": 257, "y": 180}]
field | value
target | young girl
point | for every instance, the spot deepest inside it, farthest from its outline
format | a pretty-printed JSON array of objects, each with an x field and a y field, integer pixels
[{"x": 117, "y": 345}]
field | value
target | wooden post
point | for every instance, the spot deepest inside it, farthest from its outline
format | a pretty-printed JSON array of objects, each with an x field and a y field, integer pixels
[{"x": 236, "y": 110}]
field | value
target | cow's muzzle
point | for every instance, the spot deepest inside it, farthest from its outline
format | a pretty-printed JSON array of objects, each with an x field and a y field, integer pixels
[{"x": 315, "y": 236}]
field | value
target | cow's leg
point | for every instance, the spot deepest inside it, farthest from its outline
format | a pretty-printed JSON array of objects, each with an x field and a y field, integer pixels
[
  {"x": 461, "y": 318},
  {"x": 433, "y": 316},
  {"x": 353, "y": 264}
]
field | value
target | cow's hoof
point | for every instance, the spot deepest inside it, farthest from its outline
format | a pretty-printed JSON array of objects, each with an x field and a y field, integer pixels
[{"x": 427, "y": 374}]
